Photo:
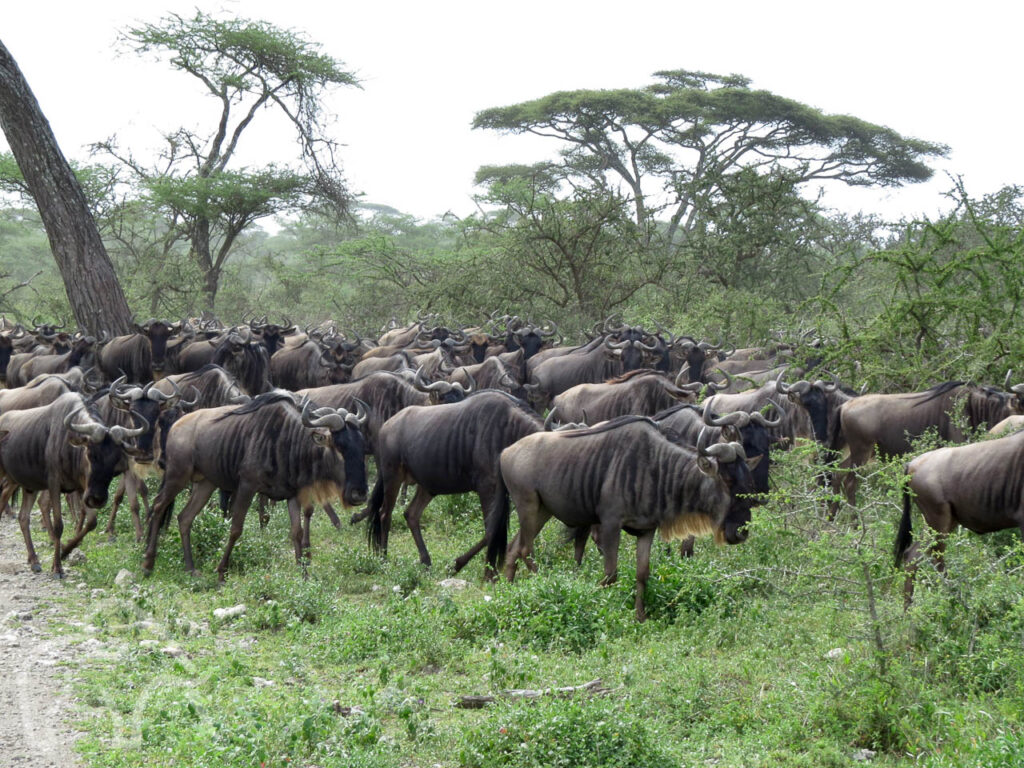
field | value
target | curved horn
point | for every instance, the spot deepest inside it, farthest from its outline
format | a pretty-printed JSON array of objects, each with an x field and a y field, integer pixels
[
  {"x": 93, "y": 430},
  {"x": 829, "y": 387},
  {"x": 333, "y": 421},
  {"x": 780, "y": 385},
  {"x": 736, "y": 418},
  {"x": 549, "y": 421},
  {"x": 616, "y": 344},
  {"x": 119, "y": 434},
  {"x": 547, "y": 334},
  {"x": 362, "y": 414},
  {"x": 759, "y": 418},
  {"x": 713, "y": 388}
]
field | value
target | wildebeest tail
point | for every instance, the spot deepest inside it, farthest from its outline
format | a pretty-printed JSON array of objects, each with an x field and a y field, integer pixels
[
  {"x": 497, "y": 526},
  {"x": 904, "y": 536},
  {"x": 375, "y": 528}
]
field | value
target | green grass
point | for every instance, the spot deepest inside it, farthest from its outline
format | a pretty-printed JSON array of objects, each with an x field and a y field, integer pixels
[{"x": 764, "y": 654}]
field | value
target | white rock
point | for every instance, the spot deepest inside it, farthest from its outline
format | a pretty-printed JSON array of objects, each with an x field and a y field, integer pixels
[
  {"x": 124, "y": 577},
  {"x": 376, "y": 588},
  {"x": 396, "y": 589},
  {"x": 229, "y": 613},
  {"x": 836, "y": 653},
  {"x": 453, "y": 583},
  {"x": 149, "y": 643},
  {"x": 262, "y": 682},
  {"x": 863, "y": 755},
  {"x": 172, "y": 650}
]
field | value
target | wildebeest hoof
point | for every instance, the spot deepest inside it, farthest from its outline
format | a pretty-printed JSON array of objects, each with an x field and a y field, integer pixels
[
  {"x": 58, "y": 575},
  {"x": 37, "y": 568}
]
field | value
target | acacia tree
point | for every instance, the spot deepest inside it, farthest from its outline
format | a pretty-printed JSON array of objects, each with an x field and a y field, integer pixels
[
  {"x": 248, "y": 68},
  {"x": 675, "y": 146},
  {"x": 93, "y": 291}
]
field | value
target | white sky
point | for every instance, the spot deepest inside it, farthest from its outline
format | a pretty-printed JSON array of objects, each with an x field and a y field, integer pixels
[{"x": 940, "y": 71}]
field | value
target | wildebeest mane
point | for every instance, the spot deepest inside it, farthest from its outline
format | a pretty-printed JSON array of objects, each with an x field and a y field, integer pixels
[
  {"x": 267, "y": 398},
  {"x": 635, "y": 373},
  {"x": 619, "y": 421},
  {"x": 520, "y": 404},
  {"x": 938, "y": 391}
]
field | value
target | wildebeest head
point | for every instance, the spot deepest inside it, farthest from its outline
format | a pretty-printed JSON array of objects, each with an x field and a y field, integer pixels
[
  {"x": 813, "y": 397},
  {"x": 158, "y": 332},
  {"x": 728, "y": 462},
  {"x": 104, "y": 447},
  {"x": 148, "y": 404},
  {"x": 441, "y": 392},
  {"x": 633, "y": 352},
  {"x": 531, "y": 338},
  {"x": 343, "y": 432},
  {"x": 751, "y": 430}
]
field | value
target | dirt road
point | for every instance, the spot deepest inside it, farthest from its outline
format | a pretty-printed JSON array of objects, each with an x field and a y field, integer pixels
[{"x": 35, "y": 703}]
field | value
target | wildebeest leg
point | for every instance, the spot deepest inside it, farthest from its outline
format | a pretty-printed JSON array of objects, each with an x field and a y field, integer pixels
[
  {"x": 380, "y": 524},
  {"x": 307, "y": 515},
  {"x": 643, "y": 571},
  {"x": 201, "y": 493},
  {"x": 175, "y": 480},
  {"x": 486, "y": 504},
  {"x": 532, "y": 518},
  {"x": 295, "y": 520},
  {"x": 263, "y": 511},
  {"x": 28, "y": 500},
  {"x": 89, "y": 516},
  {"x": 7, "y": 490},
  {"x": 611, "y": 535},
  {"x": 333, "y": 516},
  {"x": 686, "y": 546},
  {"x": 122, "y": 486},
  {"x": 579, "y": 543},
  {"x": 138, "y": 491},
  {"x": 77, "y": 509},
  {"x": 858, "y": 457},
  {"x": 413, "y": 513},
  {"x": 56, "y": 530},
  {"x": 240, "y": 501}
]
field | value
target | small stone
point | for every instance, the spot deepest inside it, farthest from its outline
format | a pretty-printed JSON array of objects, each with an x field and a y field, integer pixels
[
  {"x": 124, "y": 577},
  {"x": 835, "y": 653},
  {"x": 453, "y": 583},
  {"x": 10, "y": 640},
  {"x": 229, "y": 613},
  {"x": 149, "y": 643},
  {"x": 863, "y": 755},
  {"x": 262, "y": 682},
  {"x": 148, "y": 625},
  {"x": 376, "y": 588},
  {"x": 172, "y": 650},
  {"x": 77, "y": 557},
  {"x": 27, "y": 616},
  {"x": 97, "y": 593},
  {"x": 396, "y": 589}
]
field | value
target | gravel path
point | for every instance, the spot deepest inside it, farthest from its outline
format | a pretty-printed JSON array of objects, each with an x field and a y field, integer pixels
[{"x": 35, "y": 703}]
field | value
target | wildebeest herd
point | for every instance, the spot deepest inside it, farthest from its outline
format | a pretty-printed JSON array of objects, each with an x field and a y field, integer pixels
[{"x": 632, "y": 430}]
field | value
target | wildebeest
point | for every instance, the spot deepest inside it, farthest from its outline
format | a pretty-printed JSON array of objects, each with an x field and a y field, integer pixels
[
  {"x": 81, "y": 354},
  {"x": 445, "y": 449},
  {"x": 490, "y": 374},
  {"x": 641, "y": 392},
  {"x": 298, "y": 366},
  {"x": 621, "y": 475},
  {"x": 60, "y": 448},
  {"x": 266, "y": 446},
  {"x": 591, "y": 363},
  {"x": 141, "y": 355},
  {"x": 979, "y": 486},
  {"x": 888, "y": 423}
]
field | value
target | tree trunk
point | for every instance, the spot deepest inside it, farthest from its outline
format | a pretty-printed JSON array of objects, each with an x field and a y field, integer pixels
[
  {"x": 91, "y": 284},
  {"x": 204, "y": 258}
]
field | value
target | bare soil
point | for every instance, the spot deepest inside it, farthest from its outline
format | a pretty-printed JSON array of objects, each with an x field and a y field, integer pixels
[{"x": 35, "y": 700}]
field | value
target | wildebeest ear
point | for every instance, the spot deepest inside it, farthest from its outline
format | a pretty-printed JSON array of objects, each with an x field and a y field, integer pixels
[
  {"x": 138, "y": 328},
  {"x": 321, "y": 436},
  {"x": 707, "y": 465},
  {"x": 752, "y": 463}
]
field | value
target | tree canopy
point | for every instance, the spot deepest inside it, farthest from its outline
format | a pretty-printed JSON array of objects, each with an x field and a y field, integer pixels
[
  {"x": 676, "y": 143},
  {"x": 246, "y": 67}
]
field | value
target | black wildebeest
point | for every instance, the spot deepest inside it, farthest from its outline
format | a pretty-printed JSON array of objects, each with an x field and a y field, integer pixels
[
  {"x": 887, "y": 423},
  {"x": 60, "y": 448},
  {"x": 979, "y": 486},
  {"x": 621, "y": 475},
  {"x": 266, "y": 446},
  {"x": 445, "y": 449}
]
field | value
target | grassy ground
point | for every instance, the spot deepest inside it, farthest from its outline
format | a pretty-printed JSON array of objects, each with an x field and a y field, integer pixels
[{"x": 792, "y": 649}]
